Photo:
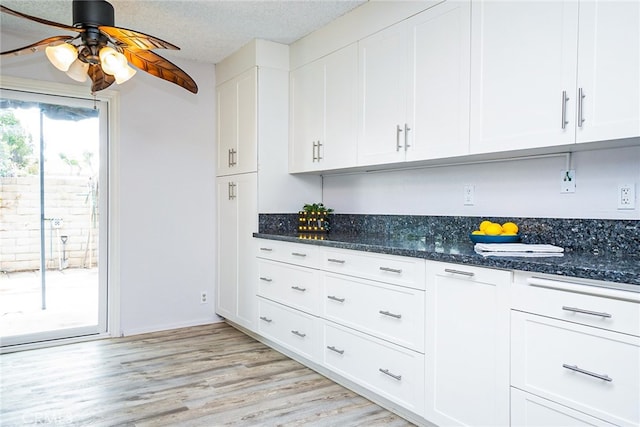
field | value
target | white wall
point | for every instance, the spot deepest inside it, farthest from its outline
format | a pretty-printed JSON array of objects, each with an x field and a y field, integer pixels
[
  {"x": 515, "y": 188},
  {"x": 166, "y": 197}
]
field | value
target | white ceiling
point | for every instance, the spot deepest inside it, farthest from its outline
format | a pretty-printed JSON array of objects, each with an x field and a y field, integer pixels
[{"x": 205, "y": 30}]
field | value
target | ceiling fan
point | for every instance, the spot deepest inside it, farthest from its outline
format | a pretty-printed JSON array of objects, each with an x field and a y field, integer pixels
[{"x": 102, "y": 51}]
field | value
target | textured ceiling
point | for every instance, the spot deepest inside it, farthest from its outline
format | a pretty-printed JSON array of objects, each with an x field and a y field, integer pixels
[{"x": 206, "y": 30}]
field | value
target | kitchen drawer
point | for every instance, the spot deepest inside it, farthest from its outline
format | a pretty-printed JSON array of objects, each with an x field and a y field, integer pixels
[
  {"x": 393, "y": 313},
  {"x": 297, "y": 287},
  {"x": 559, "y": 360},
  {"x": 403, "y": 271},
  {"x": 388, "y": 370},
  {"x": 292, "y": 253},
  {"x": 529, "y": 410},
  {"x": 611, "y": 309},
  {"x": 288, "y": 327}
]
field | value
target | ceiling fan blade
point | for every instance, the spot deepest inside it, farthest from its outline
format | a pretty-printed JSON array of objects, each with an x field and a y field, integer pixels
[
  {"x": 100, "y": 79},
  {"x": 156, "y": 65},
  {"x": 38, "y": 46},
  {"x": 40, "y": 20},
  {"x": 134, "y": 39}
]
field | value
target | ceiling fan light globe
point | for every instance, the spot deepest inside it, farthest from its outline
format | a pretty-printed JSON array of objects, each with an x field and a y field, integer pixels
[
  {"x": 125, "y": 74},
  {"x": 62, "y": 55},
  {"x": 78, "y": 71},
  {"x": 112, "y": 61}
]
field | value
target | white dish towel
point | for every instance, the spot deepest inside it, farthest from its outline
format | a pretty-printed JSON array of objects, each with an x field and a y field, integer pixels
[{"x": 518, "y": 249}]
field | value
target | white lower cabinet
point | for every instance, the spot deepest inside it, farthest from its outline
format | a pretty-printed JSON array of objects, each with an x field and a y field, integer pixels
[
  {"x": 591, "y": 370},
  {"x": 389, "y": 370},
  {"x": 467, "y": 352},
  {"x": 529, "y": 410},
  {"x": 290, "y": 328},
  {"x": 393, "y": 313}
]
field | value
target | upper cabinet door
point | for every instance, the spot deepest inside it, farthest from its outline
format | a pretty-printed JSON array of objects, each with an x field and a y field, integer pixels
[
  {"x": 324, "y": 113},
  {"x": 523, "y": 74},
  {"x": 440, "y": 52},
  {"x": 306, "y": 116},
  {"x": 382, "y": 96},
  {"x": 609, "y": 70},
  {"x": 237, "y": 124},
  {"x": 339, "y": 148}
]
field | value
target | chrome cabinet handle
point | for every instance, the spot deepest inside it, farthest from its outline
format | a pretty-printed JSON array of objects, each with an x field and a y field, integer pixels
[
  {"x": 232, "y": 191},
  {"x": 266, "y": 279},
  {"x": 332, "y": 348},
  {"x": 266, "y": 249},
  {"x": 583, "y": 311},
  {"x": 387, "y": 313},
  {"x": 391, "y": 270},
  {"x": 266, "y": 319},
  {"x": 335, "y": 298},
  {"x": 398, "y": 130},
  {"x": 406, "y": 136},
  {"x": 394, "y": 376},
  {"x": 298, "y": 333},
  {"x": 565, "y": 99},
  {"x": 232, "y": 157},
  {"x": 298, "y": 254},
  {"x": 313, "y": 152},
  {"x": 460, "y": 272},
  {"x": 585, "y": 372},
  {"x": 581, "y": 96},
  {"x": 319, "y": 145},
  {"x": 337, "y": 261},
  {"x": 297, "y": 288}
]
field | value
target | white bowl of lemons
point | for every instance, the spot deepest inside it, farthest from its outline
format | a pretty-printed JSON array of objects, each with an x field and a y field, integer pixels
[{"x": 493, "y": 232}]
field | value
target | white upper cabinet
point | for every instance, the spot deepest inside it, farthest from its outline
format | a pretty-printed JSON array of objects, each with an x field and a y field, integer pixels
[
  {"x": 609, "y": 70},
  {"x": 237, "y": 124},
  {"x": 323, "y": 113},
  {"x": 553, "y": 73},
  {"x": 523, "y": 61},
  {"x": 414, "y": 87}
]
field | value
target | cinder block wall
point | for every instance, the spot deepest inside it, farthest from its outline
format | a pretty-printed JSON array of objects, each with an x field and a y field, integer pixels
[{"x": 68, "y": 212}]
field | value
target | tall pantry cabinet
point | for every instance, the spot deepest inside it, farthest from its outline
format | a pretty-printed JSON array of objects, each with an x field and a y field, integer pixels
[{"x": 252, "y": 141}]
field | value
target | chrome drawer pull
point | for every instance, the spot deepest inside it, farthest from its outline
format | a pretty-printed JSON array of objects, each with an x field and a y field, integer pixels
[
  {"x": 565, "y": 98},
  {"x": 298, "y": 254},
  {"x": 332, "y": 348},
  {"x": 335, "y": 298},
  {"x": 591, "y": 374},
  {"x": 266, "y": 249},
  {"x": 460, "y": 272},
  {"x": 337, "y": 261},
  {"x": 297, "y": 288},
  {"x": 300, "y": 334},
  {"x": 582, "y": 311},
  {"x": 387, "y": 313},
  {"x": 386, "y": 372},
  {"x": 266, "y": 279},
  {"x": 266, "y": 319},
  {"x": 391, "y": 270}
]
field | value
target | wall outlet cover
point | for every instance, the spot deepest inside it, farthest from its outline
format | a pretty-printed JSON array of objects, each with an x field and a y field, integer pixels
[
  {"x": 626, "y": 196},
  {"x": 568, "y": 181}
]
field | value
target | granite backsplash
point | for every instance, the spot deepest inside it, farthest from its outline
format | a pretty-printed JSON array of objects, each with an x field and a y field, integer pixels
[{"x": 574, "y": 235}]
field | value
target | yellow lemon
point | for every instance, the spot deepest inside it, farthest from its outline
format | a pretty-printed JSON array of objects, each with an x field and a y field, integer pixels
[
  {"x": 493, "y": 229},
  {"x": 509, "y": 227},
  {"x": 477, "y": 232},
  {"x": 509, "y": 234},
  {"x": 484, "y": 225}
]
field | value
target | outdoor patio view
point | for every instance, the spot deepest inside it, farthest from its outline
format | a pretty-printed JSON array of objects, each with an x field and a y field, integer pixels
[{"x": 48, "y": 219}]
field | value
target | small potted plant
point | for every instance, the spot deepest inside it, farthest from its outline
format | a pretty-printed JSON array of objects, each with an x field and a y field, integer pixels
[{"x": 314, "y": 218}]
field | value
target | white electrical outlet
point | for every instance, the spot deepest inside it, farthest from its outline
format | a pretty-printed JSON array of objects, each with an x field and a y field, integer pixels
[
  {"x": 626, "y": 196},
  {"x": 204, "y": 297},
  {"x": 469, "y": 193}
]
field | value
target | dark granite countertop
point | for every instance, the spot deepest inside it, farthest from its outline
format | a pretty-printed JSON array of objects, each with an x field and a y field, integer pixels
[{"x": 611, "y": 267}]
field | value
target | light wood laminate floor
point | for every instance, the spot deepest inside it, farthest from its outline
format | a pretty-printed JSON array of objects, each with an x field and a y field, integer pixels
[{"x": 209, "y": 375}]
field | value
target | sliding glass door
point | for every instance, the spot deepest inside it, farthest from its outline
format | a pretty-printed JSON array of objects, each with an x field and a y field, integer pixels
[{"x": 53, "y": 164}]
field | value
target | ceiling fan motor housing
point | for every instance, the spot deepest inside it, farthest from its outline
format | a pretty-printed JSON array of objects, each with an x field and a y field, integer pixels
[{"x": 93, "y": 13}]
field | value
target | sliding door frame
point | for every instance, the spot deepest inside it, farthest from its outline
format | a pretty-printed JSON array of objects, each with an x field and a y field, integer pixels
[{"x": 111, "y": 99}]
